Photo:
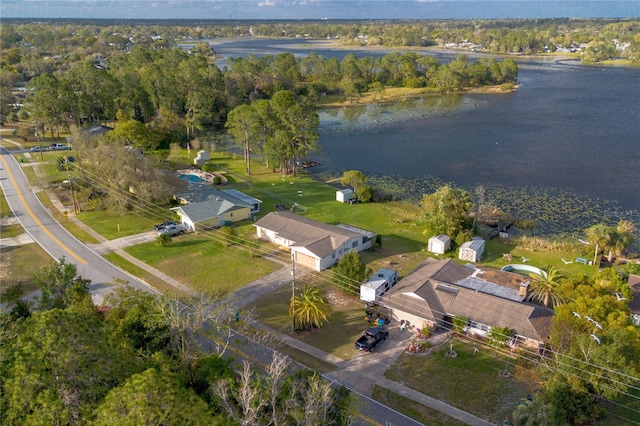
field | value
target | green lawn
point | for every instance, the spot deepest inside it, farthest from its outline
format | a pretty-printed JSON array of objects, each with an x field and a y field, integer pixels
[
  {"x": 112, "y": 225},
  {"x": 496, "y": 247},
  {"x": 413, "y": 409},
  {"x": 469, "y": 381},
  {"x": 4, "y": 206},
  {"x": 202, "y": 264},
  {"x": 148, "y": 278},
  {"x": 18, "y": 264}
]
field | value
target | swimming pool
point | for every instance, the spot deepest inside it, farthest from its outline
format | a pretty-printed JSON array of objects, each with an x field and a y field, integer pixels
[
  {"x": 524, "y": 270},
  {"x": 191, "y": 178}
]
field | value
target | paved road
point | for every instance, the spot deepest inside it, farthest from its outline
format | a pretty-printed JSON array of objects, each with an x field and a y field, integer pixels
[
  {"x": 358, "y": 374},
  {"x": 38, "y": 222}
]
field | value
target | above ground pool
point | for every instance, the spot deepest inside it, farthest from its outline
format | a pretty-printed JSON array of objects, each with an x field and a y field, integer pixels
[{"x": 524, "y": 270}]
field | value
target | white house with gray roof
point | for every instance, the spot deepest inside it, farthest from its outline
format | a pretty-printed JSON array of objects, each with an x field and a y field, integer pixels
[
  {"x": 313, "y": 244},
  {"x": 217, "y": 208}
]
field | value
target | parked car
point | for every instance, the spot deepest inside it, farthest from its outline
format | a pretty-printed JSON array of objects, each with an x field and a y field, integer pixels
[
  {"x": 39, "y": 149},
  {"x": 172, "y": 230},
  {"x": 59, "y": 147},
  {"x": 371, "y": 338},
  {"x": 164, "y": 224}
]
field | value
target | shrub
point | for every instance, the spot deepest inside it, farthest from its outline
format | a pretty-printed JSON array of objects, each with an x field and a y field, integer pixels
[
  {"x": 163, "y": 240},
  {"x": 217, "y": 180},
  {"x": 459, "y": 323},
  {"x": 226, "y": 235}
]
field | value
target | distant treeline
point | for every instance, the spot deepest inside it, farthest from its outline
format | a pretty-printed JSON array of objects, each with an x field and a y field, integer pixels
[
  {"x": 89, "y": 78},
  {"x": 602, "y": 39}
]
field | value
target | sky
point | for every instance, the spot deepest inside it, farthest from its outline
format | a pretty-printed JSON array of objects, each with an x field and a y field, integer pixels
[{"x": 318, "y": 9}]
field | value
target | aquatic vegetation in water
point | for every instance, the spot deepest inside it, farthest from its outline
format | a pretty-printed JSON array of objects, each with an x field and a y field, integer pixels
[{"x": 555, "y": 211}]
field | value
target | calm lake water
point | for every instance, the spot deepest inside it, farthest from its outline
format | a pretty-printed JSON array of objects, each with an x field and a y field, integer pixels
[{"x": 566, "y": 142}]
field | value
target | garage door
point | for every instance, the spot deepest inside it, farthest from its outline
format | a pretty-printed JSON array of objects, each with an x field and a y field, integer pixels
[{"x": 306, "y": 260}]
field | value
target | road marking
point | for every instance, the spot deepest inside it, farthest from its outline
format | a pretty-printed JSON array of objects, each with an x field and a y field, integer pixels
[{"x": 24, "y": 203}]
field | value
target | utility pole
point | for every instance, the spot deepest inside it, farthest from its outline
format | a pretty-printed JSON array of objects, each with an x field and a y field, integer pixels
[
  {"x": 38, "y": 138},
  {"x": 73, "y": 194},
  {"x": 293, "y": 288}
]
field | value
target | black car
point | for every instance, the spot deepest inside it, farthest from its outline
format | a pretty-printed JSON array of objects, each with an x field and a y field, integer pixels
[{"x": 372, "y": 338}]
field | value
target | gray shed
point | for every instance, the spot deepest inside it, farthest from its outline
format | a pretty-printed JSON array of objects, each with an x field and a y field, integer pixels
[{"x": 472, "y": 250}]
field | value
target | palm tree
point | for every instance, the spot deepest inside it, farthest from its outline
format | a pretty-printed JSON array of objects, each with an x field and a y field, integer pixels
[
  {"x": 545, "y": 286},
  {"x": 310, "y": 309},
  {"x": 602, "y": 236},
  {"x": 624, "y": 236}
]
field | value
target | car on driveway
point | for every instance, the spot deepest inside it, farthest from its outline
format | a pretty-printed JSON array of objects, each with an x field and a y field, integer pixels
[
  {"x": 163, "y": 225},
  {"x": 371, "y": 338},
  {"x": 172, "y": 230}
]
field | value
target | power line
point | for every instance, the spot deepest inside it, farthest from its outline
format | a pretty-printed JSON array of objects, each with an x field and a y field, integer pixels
[{"x": 349, "y": 284}]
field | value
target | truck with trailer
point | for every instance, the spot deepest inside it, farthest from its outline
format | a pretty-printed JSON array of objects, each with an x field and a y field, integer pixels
[{"x": 377, "y": 285}]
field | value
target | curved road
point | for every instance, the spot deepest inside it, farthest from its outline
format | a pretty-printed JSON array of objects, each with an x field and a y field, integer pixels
[
  {"x": 58, "y": 242},
  {"x": 38, "y": 222}
]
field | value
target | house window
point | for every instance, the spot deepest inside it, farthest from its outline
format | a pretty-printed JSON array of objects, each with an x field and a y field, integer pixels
[
  {"x": 354, "y": 244},
  {"x": 333, "y": 255},
  {"x": 230, "y": 214},
  {"x": 478, "y": 326}
]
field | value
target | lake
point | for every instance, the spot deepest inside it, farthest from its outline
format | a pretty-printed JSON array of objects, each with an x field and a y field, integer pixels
[{"x": 564, "y": 147}]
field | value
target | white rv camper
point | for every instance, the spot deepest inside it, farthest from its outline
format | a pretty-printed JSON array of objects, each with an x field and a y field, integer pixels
[{"x": 377, "y": 285}]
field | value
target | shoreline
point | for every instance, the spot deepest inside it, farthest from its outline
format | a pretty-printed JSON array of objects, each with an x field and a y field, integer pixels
[{"x": 399, "y": 94}]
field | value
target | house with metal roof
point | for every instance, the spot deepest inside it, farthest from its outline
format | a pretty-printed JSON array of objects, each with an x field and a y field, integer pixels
[
  {"x": 253, "y": 202},
  {"x": 217, "y": 208},
  {"x": 313, "y": 244},
  {"x": 439, "y": 290}
]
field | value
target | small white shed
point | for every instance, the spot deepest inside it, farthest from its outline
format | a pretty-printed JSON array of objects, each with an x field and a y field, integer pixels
[
  {"x": 472, "y": 251},
  {"x": 344, "y": 195},
  {"x": 202, "y": 158},
  {"x": 439, "y": 244}
]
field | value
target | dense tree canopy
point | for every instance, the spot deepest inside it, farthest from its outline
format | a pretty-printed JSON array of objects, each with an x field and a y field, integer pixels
[{"x": 447, "y": 211}]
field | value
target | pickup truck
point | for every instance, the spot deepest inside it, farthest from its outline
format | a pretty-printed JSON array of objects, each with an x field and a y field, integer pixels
[
  {"x": 59, "y": 147},
  {"x": 371, "y": 338},
  {"x": 172, "y": 230}
]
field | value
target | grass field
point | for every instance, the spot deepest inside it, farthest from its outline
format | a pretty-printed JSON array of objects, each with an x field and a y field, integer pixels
[
  {"x": 413, "y": 409},
  {"x": 18, "y": 264},
  {"x": 204, "y": 264},
  {"x": 470, "y": 381}
]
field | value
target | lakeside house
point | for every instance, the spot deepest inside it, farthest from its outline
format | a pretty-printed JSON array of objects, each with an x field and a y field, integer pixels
[
  {"x": 313, "y": 244},
  {"x": 206, "y": 207},
  {"x": 438, "y": 290}
]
